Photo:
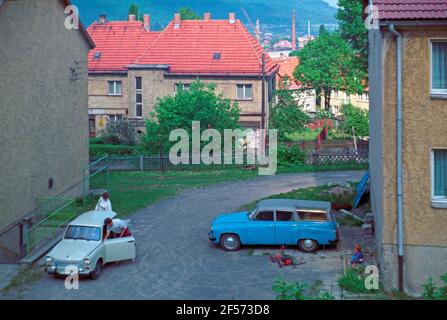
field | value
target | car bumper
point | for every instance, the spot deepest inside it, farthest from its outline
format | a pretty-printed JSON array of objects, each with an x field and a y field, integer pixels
[
  {"x": 62, "y": 272},
  {"x": 211, "y": 236}
]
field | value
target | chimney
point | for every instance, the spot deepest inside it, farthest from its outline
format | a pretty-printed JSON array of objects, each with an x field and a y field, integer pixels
[
  {"x": 293, "y": 31},
  {"x": 232, "y": 17},
  {"x": 207, "y": 16},
  {"x": 132, "y": 17},
  {"x": 102, "y": 19},
  {"x": 177, "y": 20},
  {"x": 147, "y": 22}
]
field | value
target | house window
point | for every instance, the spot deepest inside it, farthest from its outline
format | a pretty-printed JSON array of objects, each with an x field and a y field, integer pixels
[
  {"x": 181, "y": 86},
  {"x": 115, "y": 117},
  {"x": 138, "y": 97},
  {"x": 439, "y": 172},
  {"x": 244, "y": 91},
  {"x": 115, "y": 88},
  {"x": 439, "y": 67}
]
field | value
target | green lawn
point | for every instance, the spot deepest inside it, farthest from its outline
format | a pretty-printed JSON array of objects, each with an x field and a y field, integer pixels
[
  {"x": 131, "y": 191},
  {"x": 134, "y": 190},
  {"x": 319, "y": 193}
]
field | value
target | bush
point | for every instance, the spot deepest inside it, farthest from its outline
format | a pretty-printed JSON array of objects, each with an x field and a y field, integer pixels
[
  {"x": 356, "y": 120},
  {"x": 99, "y": 150},
  {"x": 120, "y": 132},
  {"x": 432, "y": 292},
  {"x": 353, "y": 280},
  {"x": 290, "y": 156},
  {"x": 96, "y": 140},
  {"x": 297, "y": 291}
]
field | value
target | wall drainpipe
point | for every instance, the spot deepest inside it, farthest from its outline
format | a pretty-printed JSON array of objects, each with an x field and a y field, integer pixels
[{"x": 400, "y": 231}]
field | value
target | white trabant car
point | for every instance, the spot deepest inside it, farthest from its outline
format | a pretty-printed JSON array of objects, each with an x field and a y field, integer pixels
[{"x": 83, "y": 248}]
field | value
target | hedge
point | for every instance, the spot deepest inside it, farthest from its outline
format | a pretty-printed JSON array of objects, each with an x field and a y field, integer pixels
[{"x": 110, "y": 149}]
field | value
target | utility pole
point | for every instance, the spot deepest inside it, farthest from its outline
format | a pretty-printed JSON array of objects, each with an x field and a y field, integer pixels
[{"x": 263, "y": 93}]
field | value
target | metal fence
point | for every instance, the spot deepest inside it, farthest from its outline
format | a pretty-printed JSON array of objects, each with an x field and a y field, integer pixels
[
  {"x": 337, "y": 156},
  {"x": 160, "y": 163},
  {"x": 148, "y": 163}
]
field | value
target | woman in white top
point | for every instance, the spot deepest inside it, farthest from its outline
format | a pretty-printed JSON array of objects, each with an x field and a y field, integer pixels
[{"x": 104, "y": 203}]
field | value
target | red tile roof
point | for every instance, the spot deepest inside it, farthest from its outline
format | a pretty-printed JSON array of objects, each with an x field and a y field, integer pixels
[
  {"x": 287, "y": 66},
  {"x": 214, "y": 47},
  {"x": 411, "y": 9},
  {"x": 119, "y": 43}
]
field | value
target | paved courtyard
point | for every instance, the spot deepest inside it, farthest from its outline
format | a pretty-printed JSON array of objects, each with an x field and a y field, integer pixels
[{"x": 175, "y": 259}]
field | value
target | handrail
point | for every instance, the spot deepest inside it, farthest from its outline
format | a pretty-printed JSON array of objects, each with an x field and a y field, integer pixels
[
  {"x": 52, "y": 214},
  {"x": 95, "y": 162},
  {"x": 31, "y": 236}
]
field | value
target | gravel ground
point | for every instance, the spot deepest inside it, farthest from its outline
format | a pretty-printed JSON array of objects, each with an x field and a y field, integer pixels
[{"x": 175, "y": 259}]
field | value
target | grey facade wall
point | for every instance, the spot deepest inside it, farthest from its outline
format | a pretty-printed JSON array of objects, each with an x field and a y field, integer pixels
[
  {"x": 44, "y": 123},
  {"x": 376, "y": 134}
]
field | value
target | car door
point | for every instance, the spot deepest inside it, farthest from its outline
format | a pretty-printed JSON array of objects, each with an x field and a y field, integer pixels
[
  {"x": 286, "y": 227},
  {"x": 119, "y": 249},
  {"x": 261, "y": 229}
]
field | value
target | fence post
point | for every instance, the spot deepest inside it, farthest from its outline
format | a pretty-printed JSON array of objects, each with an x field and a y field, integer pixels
[{"x": 141, "y": 163}]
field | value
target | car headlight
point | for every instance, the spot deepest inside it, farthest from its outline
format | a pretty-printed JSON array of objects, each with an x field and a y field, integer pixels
[
  {"x": 87, "y": 261},
  {"x": 49, "y": 259}
]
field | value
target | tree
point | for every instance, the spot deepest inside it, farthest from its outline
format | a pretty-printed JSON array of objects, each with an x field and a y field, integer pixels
[
  {"x": 287, "y": 116},
  {"x": 328, "y": 63},
  {"x": 322, "y": 30},
  {"x": 188, "y": 14},
  {"x": 133, "y": 9},
  {"x": 353, "y": 29},
  {"x": 356, "y": 120},
  {"x": 199, "y": 103}
]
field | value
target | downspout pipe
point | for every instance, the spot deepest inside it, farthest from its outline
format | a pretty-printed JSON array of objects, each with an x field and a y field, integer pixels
[{"x": 400, "y": 231}]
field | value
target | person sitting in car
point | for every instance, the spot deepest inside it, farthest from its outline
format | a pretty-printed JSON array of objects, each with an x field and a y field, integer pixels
[{"x": 115, "y": 228}]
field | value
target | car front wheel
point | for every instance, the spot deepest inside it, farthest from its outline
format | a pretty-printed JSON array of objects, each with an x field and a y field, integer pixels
[
  {"x": 96, "y": 272},
  {"x": 230, "y": 242},
  {"x": 308, "y": 245}
]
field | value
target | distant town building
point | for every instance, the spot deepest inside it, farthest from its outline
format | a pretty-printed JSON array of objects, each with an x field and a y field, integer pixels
[
  {"x": 43, "y": 90},
  {"x": 304, "y": 96},
  {"x": 339, "y": 98},
  {"x": 132, "y": 66},
  {"x": 302, "y": 41},
  {"x": 283, "y": 44}
]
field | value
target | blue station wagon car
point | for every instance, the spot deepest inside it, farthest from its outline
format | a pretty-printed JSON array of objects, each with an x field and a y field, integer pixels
[{"x": 307, "y": 224}]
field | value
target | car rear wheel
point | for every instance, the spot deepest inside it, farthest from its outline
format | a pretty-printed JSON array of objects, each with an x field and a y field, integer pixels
[
  {"x": 308, "y": 245},
  {"x": 230, "y": 242},
  {"x": 97, "y": 271}
]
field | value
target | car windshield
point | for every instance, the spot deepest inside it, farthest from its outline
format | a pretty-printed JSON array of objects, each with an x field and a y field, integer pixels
[
  {"x": 83, "y": 233},
  {"x": 251, "y": 215}
]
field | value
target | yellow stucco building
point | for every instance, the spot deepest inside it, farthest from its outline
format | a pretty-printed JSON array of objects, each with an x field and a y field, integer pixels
[{"x": 408, "y": 142}]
